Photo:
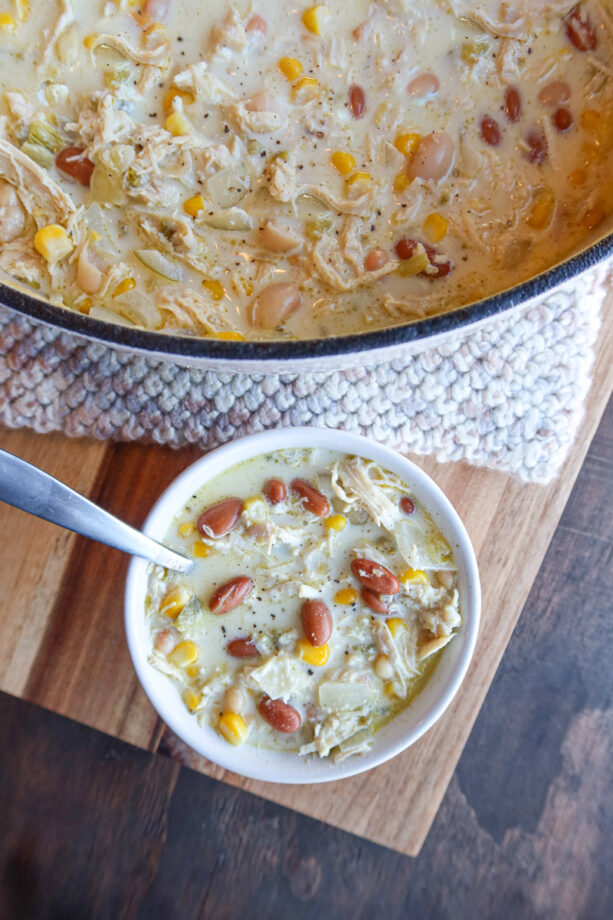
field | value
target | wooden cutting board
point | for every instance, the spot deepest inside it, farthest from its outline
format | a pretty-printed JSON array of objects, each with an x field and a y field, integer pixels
[{"x": 61, "y": 606}]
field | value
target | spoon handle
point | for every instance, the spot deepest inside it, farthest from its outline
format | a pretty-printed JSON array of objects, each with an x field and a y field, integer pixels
[{"x": 26, "y": 487}]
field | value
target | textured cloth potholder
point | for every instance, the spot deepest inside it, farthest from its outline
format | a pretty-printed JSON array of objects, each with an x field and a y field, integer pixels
[{"x": 507, "y": 395}]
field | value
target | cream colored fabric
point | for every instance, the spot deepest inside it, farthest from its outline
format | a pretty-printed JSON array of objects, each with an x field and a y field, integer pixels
[{"x": 509, "y": 395}]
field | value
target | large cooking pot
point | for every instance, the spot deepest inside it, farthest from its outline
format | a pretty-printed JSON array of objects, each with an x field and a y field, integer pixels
[{"x": 316, "y": 354}]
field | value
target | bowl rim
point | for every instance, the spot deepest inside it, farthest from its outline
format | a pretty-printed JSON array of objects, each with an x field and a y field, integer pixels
[
  {"x": 287, "y": 767},
  {"x": 186, "y": 348}
]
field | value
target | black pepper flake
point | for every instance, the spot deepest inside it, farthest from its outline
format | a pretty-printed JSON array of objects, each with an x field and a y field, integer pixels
[
  {"x": 223, "y": 629},
  {"x": 226, "y": 129},
  {"x": 372, "y": 228},
  {"x": 310, "y": 672},
  {"x": 273, "y": 616}
]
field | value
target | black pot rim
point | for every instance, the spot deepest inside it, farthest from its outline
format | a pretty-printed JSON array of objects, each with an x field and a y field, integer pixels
[{"x": 188, "y": 347}]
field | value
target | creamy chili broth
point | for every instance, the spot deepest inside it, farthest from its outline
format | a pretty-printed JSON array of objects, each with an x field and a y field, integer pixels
[
  {"x": 265, "y": 171},
  {"x": 320, "y": 601}
]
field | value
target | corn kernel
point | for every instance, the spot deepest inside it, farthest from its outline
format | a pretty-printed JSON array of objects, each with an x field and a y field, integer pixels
[
  {"x": 193, "y": 205},
  {"x": 184, "y": 654},
  {"x": 304, "y": 87},
  {"x": 7, "y": 22},
  {"x": 358, "y": 177},
  {"x": 346, "y": 596},
  {"x": 191, "y": 699},
  {"x": 233, "y": 727},
  {"x": 215, "y": 288},
  {"x": 343, "y": 162},
  {"x": 591, "y": 121},
  {"x": 53, "y": 243},
  {"x": 177, "y": 124},
  {"x": 174, "y": 601},
  {"x": 407, "y": 144},
  {"x": 85, "y": 305},
  {"x": 542, "y": 211},
  {"x": 314, "y": 17},
  {"x": 414, "y": 576},
  {"x": 395, "y": 625},
  {"x": 435, "y": 227},
  {"x": 200, "y": 549},
  {"x": 193, "y": 670},
  {"x": 89, "y": 41},
  {"x": 126, "y": 285},
  {"x": 335, "y": 522},
  {"x": 291, "y": 68},
  {"x": 185, "y": 96},
  {"x": 593, "y": 217},
  {"x": 94, "y": 236},
  {"x": 578, "y": 177},
  {"x": 313, "y": 654},
  {"x": 401, "y": 182},
  {"x": 254, "y": 502},
  {"x": 231, "y": 336},
  {"x": 390, "y": 689},
  {"x": 185, "y": 529}
]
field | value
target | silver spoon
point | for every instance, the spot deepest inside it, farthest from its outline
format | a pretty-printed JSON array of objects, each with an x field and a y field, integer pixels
[{"x": 25, "y": 486}]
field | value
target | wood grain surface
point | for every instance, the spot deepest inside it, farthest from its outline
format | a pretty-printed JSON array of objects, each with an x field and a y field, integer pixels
[
  {"x": 95, "y": 828},
  {"x": 61, "y": 633}
]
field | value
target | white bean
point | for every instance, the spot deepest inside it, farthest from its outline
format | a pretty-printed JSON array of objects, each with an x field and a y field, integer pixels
[
  {"x": 12, "y": 215},
  {"x": 165, "y": 641},
  {"x": 433, "y": 158},
  {"x": 264, "y": 102},
  {"x": 424, "y": 85},
  {"x": 234, "y": 700},
  {"x": 89, "y": 278},
  {"x": 279, "y": 237},
  {"x": 156, "y": 10},
  {"x": 274, "y": 305},
  {"x": 383, "y": 667}
]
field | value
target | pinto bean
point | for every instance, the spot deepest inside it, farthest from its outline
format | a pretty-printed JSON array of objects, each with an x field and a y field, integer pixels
[
  {"x": 406, "y": 247},
  {"x": 73, "y": 162},
  {"x": 274, "y": 304},
  {"x": 312, "y": 500},
  {"x": 256, "y": 24},
  {"x": 407, "y": 505},
  {"x": 375, "y": 576},
  {"x": 220, "y": 519},
  {"x": 242, "y": 648},
  {"x": 424, "y": 85},
  {"x": 490, "y": 132},
  {"x": 275, "y": 491},
  {"x": 580, "y": 29},
  {"x": 512, "y": 103},
  {"x": 562, "y": 119},
  {"x": 537, "y": 147},
  {"x": 375, "y": 260},
  {"x": 357, "y": 101},
  {"x": 316, "y": 621},
  {"x": 374, "y": 602},
  {"x": 555, "y": 93},
  {"x": 231, "y": 594},
  {"x": 433, "y": 157},
  {"x": 12, "y": 214},
  {"x": 281, "y": 716}
]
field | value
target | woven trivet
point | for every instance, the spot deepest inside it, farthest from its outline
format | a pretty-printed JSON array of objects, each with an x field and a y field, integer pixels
[{"x": 508, "y": 395}]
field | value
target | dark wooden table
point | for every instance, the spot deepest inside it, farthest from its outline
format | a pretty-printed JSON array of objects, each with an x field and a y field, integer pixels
[{"x": 91, "y": 827}]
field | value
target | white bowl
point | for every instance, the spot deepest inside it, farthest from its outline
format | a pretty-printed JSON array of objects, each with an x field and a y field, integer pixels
[{"x": 405, "y": 728}]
